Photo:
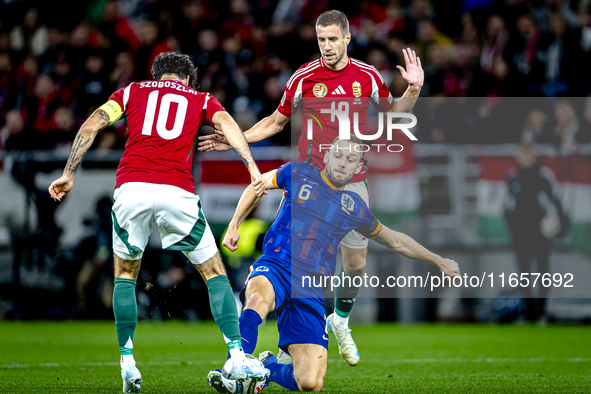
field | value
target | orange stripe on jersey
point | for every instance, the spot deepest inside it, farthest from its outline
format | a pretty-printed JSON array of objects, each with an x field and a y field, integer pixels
[
  {"x": 248, "y": 276},
  {"x": 275, "y": 180},
  {"x": 377, "y": 230},
  {"x": 329, "y": 183}
]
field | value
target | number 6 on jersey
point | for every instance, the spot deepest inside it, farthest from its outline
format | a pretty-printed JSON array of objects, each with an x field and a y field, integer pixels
[{"x": 305, "y": 192}]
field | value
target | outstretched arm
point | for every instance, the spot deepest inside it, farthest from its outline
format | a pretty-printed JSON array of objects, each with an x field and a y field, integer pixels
[
  {"x": 247, "y": 203},
  {"x": 267, "y": 127},
  {"x": 83, "y": 141},
  {"x": 223, "y": 121},
  {"x": 415, "y": 76},
  {"x": 408, "y": 247}
]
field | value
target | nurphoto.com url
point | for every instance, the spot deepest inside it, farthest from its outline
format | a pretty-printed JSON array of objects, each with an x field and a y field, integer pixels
[{"x": 432, "y": 282}]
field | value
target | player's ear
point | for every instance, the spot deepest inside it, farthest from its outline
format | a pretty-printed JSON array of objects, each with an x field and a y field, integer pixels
[
  {"x": 347, "y": 39},
  {"x": 359, "y": 166},
  {"x": 326, "y": 156},
  {"x": 186, "y": 80}
]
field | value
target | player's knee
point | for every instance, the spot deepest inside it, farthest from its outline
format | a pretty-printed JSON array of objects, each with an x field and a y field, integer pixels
[
  {"x": 319, "y": 384},
  {"x": 354, "y": 261},
  {"x": 211, "y": 268},
  {"x": 355, "y": 266},
  {"x": 320, "y": 381},
  {"x": 127, "y": 268},
  {"x": 310, "y": 382}
]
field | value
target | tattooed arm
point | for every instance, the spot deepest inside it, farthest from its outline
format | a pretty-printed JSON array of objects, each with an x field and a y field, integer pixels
[
  {"x": 83, "y": 141},
  {"x": 223, "y": 121}
]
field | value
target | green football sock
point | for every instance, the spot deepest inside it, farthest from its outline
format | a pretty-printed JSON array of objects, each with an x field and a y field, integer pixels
[
  {"x": 125, "y": 310},
  {"x": 223, "y": 308},
  {"x": 345, "y": 294}
]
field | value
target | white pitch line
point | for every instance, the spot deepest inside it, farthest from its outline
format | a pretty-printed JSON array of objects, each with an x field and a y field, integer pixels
[
  {"x": 382, "y": 361},
  {"x": 110, "y": 364}
]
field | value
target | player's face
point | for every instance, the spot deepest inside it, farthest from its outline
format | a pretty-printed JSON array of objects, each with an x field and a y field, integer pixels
[
  {"x": 342, "y": 163},
  {"x": 332, "y": 44}
]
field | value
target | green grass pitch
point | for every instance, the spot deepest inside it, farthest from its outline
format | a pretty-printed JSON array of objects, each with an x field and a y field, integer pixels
[{"x": 174, "y": 357}]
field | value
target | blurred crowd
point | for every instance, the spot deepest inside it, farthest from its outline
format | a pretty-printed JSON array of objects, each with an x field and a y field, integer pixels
[{"x": 59, "y": 63}]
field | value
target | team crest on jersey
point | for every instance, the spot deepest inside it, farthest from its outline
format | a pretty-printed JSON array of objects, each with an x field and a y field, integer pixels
[
  {"x": 356, "y": 89},
  {"x": 320, "y": 90},
  {"x": 348, "y": 203}
]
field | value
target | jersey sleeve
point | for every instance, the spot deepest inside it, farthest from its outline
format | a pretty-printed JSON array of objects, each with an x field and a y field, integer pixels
[
  {"x": 211, "y": 106},
  {"x": 292, "y": 94},
  {"x": 286, "y": 102},
  {"x": 282, "y": 176},
  {"x": 371, "y": 226},
  {"x": 118, "y": 98},
  {"x": 383, "y": 101}
]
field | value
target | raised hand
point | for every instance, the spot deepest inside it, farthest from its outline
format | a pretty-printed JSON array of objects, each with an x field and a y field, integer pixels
[
  {"x": 413, "y": 74},
  {"x": 213, "y": 142}
]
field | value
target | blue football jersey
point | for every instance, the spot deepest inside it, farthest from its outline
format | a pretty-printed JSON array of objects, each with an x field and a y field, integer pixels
[{"x": 313, "y": 218}]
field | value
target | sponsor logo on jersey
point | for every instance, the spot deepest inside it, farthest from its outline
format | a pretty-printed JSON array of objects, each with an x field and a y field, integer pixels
[
  {"x": 320, "y": 90},
  {"x": 339, "y": 90},
  {"x": 283, "y": 98},
  {"x": 348, "y": 203},
  {"x": 262, "y": 269},
  {"x": 356, "y": 89}
]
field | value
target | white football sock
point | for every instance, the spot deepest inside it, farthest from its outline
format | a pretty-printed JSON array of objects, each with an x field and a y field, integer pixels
[
  {"x": 237, "y": 355},
  {"x": 340, "y": 321},
  {"x": 127, "y": 359}
]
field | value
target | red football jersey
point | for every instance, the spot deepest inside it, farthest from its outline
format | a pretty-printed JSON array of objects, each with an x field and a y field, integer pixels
[
  {"x": 163, "y": 121},
  {"x": 315, "y": 87}
]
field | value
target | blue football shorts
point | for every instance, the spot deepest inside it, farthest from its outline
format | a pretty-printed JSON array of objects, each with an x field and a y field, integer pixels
[{"x": 299, "y": 320}]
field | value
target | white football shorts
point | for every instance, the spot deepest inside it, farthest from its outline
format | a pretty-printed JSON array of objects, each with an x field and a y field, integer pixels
[
  {"x": 177, "y": 213},
  {"x": 353, "y": 239}
]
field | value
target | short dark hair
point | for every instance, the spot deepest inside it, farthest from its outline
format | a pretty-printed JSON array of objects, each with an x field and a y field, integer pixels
[
  {"x": 175, "y": 63},
  {"x": 334, "y": 17}
]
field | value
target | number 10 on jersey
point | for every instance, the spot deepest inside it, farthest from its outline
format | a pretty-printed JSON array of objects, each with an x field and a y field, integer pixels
[{"x": 163, "y": 114}]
